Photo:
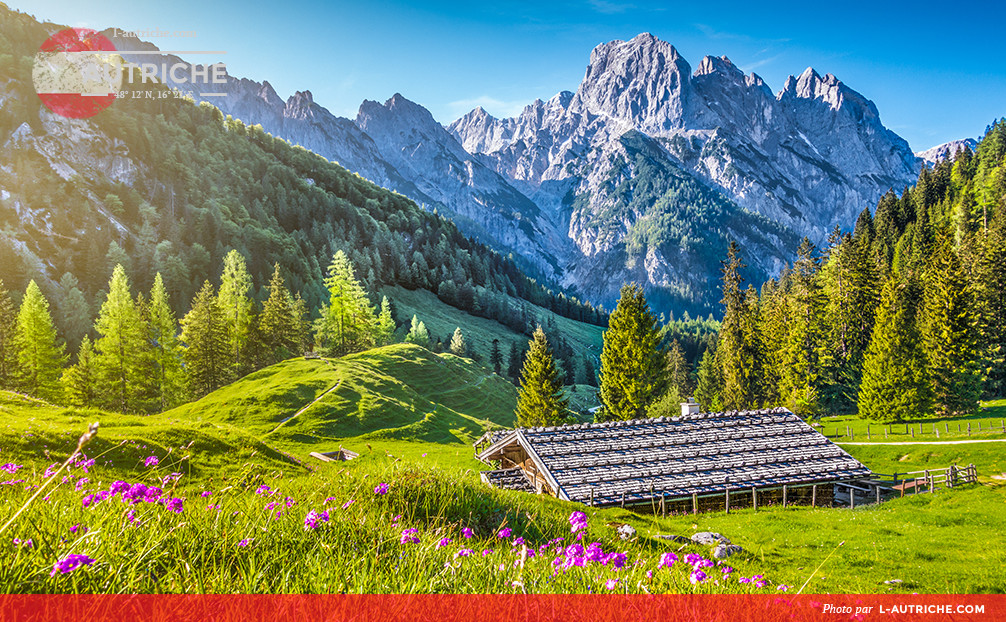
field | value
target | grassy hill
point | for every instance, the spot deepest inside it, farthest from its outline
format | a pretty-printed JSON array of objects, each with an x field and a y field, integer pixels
[
  {"x": 401, "y": 392},
  {"x": 441, "y": 319},
  {"x": 39, "y": 434}
]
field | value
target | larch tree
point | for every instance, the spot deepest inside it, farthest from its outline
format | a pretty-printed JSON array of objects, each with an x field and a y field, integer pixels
[
  {"x": 8, "y": 328},
  {"x": 236, "y": 305},
  {"x": 540, "y": 399},
  {"x": 207, "y": 347},
  {"x": 40, "y": 356},
  {"x": 384, "y": 331},
  {"x": 632, "y": 362},
  {"x": 347, "y": 321},
  {"x": 418, "y": 334},
  {"x": 121, "y": 346},
  {"x": 168, "y": 381},
  {"x": 81, "y": 385},
  {"x": 457, "y": 346},
  {"x": 278, "y": 324}
]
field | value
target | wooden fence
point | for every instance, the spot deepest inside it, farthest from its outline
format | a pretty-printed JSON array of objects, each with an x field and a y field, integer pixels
[
  {"x": 912, "y": 430},
  {"x": 913, "y": 482}
]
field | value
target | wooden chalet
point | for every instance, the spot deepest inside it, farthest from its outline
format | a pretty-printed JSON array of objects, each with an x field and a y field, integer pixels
[{"x": 697, "y": 461}]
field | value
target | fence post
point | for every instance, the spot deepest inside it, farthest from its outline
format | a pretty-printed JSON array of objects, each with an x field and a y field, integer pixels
[
  {"x": 663, "y": 505},
  {"x": 623, "y": 498},
  {"x": 852, "y": 498},
  {"x": 653, "y": 500},
  {"x": 868, "y": 437},
  {"x": 913, "y": 432},
  {"x": 695, "y": 503},
  {"x": 885, "y": 432},
  {"x": 727, "y": 501},
  {"x": 591, "y": 496},
  {"x": 946, "y": 428},
  {"x": 878, "y": 493},
  {"x": 969, "y": 428},
  {"x": 813, "y": 496},
  {"x": 929, "y": 482},
  {"x": 754, "y": 498},
  {"x": 785, "y": 495}
]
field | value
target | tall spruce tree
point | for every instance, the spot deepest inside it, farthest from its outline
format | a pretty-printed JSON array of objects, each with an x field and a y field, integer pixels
[
  {"x": 207, "y": 346},
  {"x": 632, "y": 362},
  {"x": 496, "y": 357},
  {"x": 8, "y": 350},
  {"x": 710, "y": 384},
  {"x": 540, "y": 400},
  {"x": 514, "y": 362},
  {"x": 805, "y": 348},
  {"x": 347, "y": 321},
  {"x": 168, "y": 377},
  {"x": 236, "y": 305},
  {"x": 951, "y": 334},
  {"x": 992, "y": 297},
  {"x": 40, "y": 355},
  {"x": 121, "y": 346},
  {"x": 738, "y": 347},
  {"x": 895, "y": 384},
  {"x": 678, "y": 374}
]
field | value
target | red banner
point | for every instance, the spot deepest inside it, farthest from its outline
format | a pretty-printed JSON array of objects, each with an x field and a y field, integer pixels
[{"x": 497, "y": 608}]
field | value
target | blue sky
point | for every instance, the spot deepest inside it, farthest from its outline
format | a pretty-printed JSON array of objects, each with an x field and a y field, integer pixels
[{"x": 935, "y": 71}]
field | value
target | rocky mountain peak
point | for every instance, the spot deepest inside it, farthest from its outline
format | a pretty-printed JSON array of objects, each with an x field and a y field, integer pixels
[
  {"x": 721, "y": 65},
  {"x": 268, "y": 94}
]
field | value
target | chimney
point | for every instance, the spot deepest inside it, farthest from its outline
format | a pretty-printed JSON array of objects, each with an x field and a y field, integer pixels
[{"x": 691, "y": 407}]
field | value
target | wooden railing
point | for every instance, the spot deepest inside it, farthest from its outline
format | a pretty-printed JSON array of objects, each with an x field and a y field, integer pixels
[
  {"x": 929, "y": 479},
  {"x": 910, "y": 430}
]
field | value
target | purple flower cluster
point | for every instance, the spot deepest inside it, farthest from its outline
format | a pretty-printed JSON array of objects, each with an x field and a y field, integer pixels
[
  {"x": 313, "y": 520},
  {"x": 504, "y": 533},
  {"x": 577, "y": 521},
  {"x": 11, "y": 468},
  {"x": 151, "y": 461},
  {"x": 70, "y": 563},
  {"x": 381, "y": 489},
  {"x": 409, "y": 536},
  {"x": 133, "y": 494}
]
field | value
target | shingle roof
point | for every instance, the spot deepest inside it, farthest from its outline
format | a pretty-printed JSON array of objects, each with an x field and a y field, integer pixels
[
  {"x": 510, "y": 479},
  {"x": 679, "y": 456}
]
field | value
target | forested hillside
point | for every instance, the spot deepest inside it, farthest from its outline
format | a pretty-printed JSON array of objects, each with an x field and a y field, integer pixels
[
  {"x": 166, "y": 186},
  {"x": 902, "y": 316}
]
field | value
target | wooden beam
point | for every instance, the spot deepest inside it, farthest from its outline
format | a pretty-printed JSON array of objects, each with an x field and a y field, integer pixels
[
  {"x": 785, "y": 493},
  {"x": 695, "y": 503},
  {"x": 813, "y": 496},
  {"x": 754, "y": 498}
]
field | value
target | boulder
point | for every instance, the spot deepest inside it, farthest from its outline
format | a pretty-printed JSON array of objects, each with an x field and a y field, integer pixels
[
  {"x": 723, "y": 551},
  {"x": 709, "y": 538}
]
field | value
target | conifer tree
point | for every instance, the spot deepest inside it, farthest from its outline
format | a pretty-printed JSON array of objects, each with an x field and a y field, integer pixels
[
  {"x": 207, "y": 347},
  {"x": 513, "y": 362},
  {"x": 168, "y": 379},
  {"x": 385, "y": 328},
  {"x": 775, "y": 324},
  {"x": 951, "y": 334},
  {"x": 707, "y": 391},
  {"x": 81, "y": 385},
  {"x": 40, "y": 356},
  {"x": 418, "y": 334},
  {"x": 8, "y": 328},
  {"x": 540, "y": 400},
  {"x": 589, "y": 375},
  {"x": 804, "y": 355},
  {"x": 895, "y": 384},
  {"x": 121, "y": 346},
  {"x": 347, "y": 321},
  {"x": 738, "y": 349},
  {"x": 496, "y": 357},
  {"x": 677, "y": 370},
  {"x": 236, "y": 305},
  {"x": 278, "y": 324},
  {"x": 632, "y": 363},
  {"x": 992, "y": 297},
  {"x": 458, "y": 347}
]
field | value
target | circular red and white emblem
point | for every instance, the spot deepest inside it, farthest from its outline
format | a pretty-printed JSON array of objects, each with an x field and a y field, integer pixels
[{"x": 77, "y": 73}]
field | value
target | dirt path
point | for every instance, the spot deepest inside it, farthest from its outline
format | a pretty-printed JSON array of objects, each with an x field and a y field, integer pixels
[
  {"x": 309, "y": 404},
  {"x": 988, "y": 440}
]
